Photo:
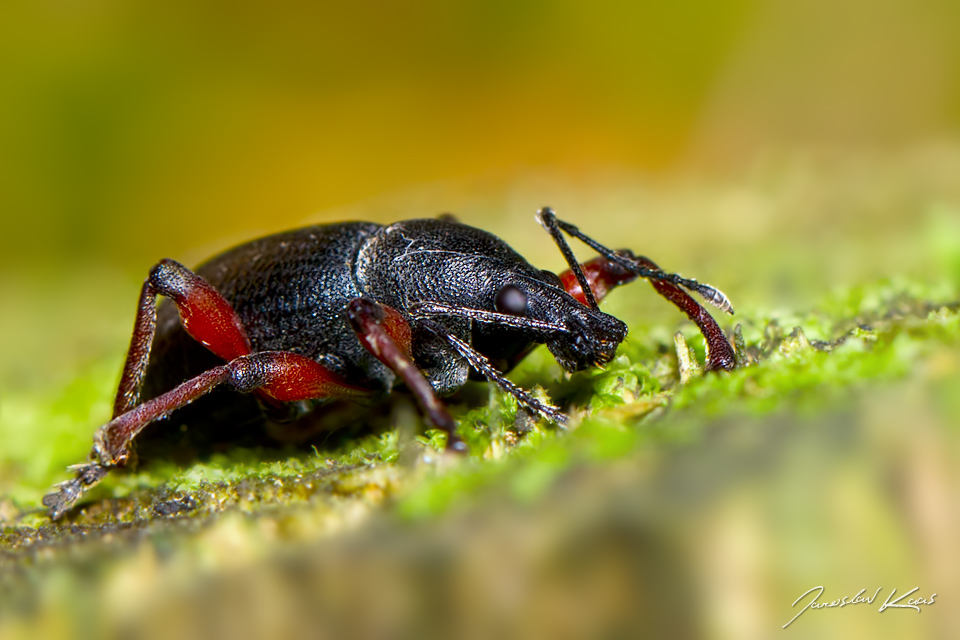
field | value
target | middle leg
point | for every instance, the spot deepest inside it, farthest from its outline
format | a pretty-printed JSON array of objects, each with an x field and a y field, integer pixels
[{"x": 385, "y": 333}]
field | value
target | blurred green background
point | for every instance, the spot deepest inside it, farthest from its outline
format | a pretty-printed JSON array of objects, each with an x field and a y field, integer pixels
[{"x": 782, "y": 151}]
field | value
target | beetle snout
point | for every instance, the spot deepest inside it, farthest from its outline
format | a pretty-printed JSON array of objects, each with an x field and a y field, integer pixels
[
  {"x": 607, "y": 337},
  {"x": 591, "y": 340}
]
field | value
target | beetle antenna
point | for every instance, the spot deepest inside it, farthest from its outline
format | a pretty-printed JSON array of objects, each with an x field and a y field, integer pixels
[
  {"x": 710, "y": 294},
  {"x": 627, "y": 260},
  {"x": 548, "y": 220},
  {"x": 422, "y": 310},
  {"x": 479, "y": 362}
]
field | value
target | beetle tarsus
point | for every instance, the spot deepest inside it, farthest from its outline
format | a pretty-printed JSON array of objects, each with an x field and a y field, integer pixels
[
  {"x": 456, "y": 444},
  {"x": 66, "y": 494}
]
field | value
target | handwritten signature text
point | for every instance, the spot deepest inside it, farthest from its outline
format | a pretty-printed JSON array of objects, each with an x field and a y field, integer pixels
[{"x": 860, "y": 598}]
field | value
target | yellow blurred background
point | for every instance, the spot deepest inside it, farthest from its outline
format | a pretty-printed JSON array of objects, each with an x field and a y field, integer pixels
[{"x": 131, "y": 130}]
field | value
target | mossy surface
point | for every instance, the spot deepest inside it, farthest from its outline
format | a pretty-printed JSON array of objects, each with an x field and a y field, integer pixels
[
  {"x": 635, "y": 418},
  {"x": 615, "y": 410}
]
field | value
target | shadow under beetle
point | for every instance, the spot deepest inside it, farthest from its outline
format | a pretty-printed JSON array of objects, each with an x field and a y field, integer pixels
[{"x": 349, "y": 310}]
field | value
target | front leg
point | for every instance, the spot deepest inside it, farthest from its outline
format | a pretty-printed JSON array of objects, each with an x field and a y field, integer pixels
[
  {"x": 603, "y": 275},
  {"x": 589, "y": 282}
]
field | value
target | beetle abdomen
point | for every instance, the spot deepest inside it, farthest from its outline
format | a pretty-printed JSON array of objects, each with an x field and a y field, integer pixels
[{"x": 289, "y": 291}]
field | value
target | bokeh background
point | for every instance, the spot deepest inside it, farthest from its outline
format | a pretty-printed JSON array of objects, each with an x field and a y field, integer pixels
[
  {"x": 130, "y": 129},
  {"x": 783, "y": 149}
]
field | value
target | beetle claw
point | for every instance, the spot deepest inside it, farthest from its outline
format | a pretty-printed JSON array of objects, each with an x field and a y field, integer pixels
[
  {"x": 66, "y": 494},
  {"x": 456, "y": 445}
]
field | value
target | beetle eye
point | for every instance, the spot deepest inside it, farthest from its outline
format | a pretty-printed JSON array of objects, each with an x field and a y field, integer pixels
[{"x": 512, "y": 300}]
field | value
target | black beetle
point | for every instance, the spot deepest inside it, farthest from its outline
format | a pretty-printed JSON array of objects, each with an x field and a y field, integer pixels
[{"x": 349, "y": 310}]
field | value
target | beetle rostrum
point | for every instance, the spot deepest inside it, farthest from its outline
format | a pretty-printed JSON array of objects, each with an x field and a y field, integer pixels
[{"x": 350, "y": 310}]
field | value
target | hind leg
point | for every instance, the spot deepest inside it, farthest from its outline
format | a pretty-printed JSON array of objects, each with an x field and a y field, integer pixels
[{"x": 282, "y": 376}]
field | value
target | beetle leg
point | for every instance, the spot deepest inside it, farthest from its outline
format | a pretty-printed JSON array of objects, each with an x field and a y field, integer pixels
[
  {"x": 386, "y": 334},
  {"x": 592, "y": 280},
  {"x": 641, "y": 266},
  {"x": 205, "y": 314},
  {"x": 480, "y": 362},
  {"x": 720, "y": 354},
  {"x": 283, "y": 376},
  {"x": 603, "y": 275},
  {"x": 446, "y": 216}
]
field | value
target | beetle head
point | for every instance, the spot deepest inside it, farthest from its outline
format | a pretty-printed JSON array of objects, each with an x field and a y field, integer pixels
[
  {"x": 591, "y": 338},
  {"x": 465, "y": 276},
  {"x": 581, "y": 337}
]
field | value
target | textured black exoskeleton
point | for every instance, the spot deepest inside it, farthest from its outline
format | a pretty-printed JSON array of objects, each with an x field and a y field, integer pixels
[{"x": 349, "y": 310}]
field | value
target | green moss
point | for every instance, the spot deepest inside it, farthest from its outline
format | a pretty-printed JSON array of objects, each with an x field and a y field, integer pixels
[
  {"x": 638, "y": 412},
  {"x": 799, "y": 362}
]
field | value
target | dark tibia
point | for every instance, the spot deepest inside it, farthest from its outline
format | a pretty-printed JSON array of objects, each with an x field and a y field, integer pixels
[
  {"x": 479, "y": 362},
  {"x": 205, "y": 314},
  {"x": 138, "y": 355},
  {"x": 286, "y": 377},
  {"x": 384, "y": 333},
  {"x": 431, "y": 309}
]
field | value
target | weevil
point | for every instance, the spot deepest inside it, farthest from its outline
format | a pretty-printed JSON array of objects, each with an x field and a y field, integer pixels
[{"x": 350, "y": 310}]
